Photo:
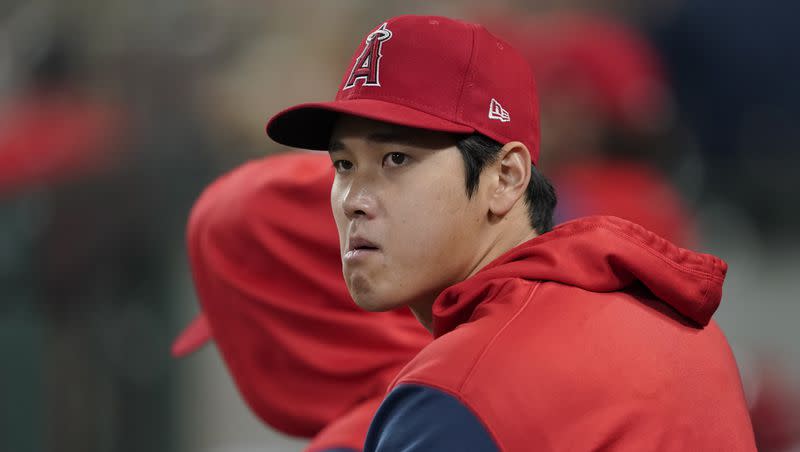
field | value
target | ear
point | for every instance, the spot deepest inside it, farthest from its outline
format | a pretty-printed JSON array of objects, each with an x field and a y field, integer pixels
[{"x": 512, "y": 171}]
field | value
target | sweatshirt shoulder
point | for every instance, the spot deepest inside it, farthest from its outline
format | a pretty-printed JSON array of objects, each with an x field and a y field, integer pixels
[
  {"x": 447, "y": 362},
  {"x": 626, "y": 338},
  {"x": 528, "y": 323}
]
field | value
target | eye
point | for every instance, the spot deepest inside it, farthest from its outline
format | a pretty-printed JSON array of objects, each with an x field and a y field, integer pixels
[
  {"x": 342, "y": 166},
  {"x": 395, "y": 159}
]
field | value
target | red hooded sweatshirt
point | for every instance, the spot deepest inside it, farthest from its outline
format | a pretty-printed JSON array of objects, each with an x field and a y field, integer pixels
[{"x": 595, "y": 336}]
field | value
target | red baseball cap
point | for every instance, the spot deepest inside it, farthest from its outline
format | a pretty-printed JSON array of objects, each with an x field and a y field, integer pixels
[
  {"x": 426, "y": 72},
  {"x": 266, "y": 266}
]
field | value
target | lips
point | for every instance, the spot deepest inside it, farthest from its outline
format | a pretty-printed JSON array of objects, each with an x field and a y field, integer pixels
[
  {"x": 359, "y": 249},
  {"x": 359, "y": 243}
]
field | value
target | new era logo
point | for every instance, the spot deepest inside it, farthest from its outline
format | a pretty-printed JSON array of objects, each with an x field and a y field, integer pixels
[{"x": 496, "y": 111}]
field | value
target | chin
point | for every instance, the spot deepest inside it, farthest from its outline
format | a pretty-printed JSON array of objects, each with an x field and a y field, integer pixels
[
  {"x": 372, "y": 302},
  {"x": 368, "y": 298},
  {"x": 373, "y": 292}
]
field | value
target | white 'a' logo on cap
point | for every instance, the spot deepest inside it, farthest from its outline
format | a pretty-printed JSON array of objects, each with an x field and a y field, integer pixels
[
  {"x": 367, "y": 65},
  {"x": 496, "y": 111}
]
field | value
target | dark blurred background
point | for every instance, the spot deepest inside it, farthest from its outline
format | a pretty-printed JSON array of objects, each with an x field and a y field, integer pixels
[{"x": 115, "y": 114}]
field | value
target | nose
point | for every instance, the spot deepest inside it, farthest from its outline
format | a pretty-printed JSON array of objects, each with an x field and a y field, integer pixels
[{"x": 359, "y": 201}]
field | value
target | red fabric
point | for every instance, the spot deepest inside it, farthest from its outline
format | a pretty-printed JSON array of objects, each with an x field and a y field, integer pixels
[
  {"x": 265, "y": 259},
  {"x": 49, "y": 139},
  {"x": 628, "y": 190},
  {"x": 589, "y": 338},
  {"x": 194, "y": 336},
  {"x": 775, "y": 410},
  {"x": 348, "y": 431},
  {"x": 434, "y": 72}
]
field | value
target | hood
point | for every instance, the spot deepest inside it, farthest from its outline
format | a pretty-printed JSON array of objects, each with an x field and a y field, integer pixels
[{"x": 599, "y": 254}]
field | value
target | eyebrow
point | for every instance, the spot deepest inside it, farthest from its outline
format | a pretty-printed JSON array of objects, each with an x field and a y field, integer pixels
[{"x": 384, "y": 137}]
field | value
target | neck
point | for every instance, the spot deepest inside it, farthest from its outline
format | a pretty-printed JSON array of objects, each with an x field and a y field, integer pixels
[
  {"x": 506, "y": 233},
  {"x": 424, "y": 315},
  {"x": 504, "y": 238}
]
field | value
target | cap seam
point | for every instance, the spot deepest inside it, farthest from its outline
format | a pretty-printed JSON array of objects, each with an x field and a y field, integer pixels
[{"x": 468, "y": 73}]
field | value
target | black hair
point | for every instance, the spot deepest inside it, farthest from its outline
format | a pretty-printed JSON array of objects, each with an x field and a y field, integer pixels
[{"x": 478, "y": 151}]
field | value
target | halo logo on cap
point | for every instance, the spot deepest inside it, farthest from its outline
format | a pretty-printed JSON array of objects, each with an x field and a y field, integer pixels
[{"x": 367, "y": 65}]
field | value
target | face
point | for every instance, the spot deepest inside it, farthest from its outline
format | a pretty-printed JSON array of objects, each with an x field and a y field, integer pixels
[{"x": 407, "y": 229}]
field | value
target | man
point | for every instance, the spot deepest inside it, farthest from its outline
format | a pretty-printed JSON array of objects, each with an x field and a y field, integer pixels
[
  {"x": 264, "y": 257},
  {"x": 595, "y": 335}
]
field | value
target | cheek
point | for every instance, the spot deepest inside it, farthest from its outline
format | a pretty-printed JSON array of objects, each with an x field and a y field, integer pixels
[
  {"x": 339, "y": 217},
  {"x": 435, "y": 230},
  {"x": 442, "y": 209}
]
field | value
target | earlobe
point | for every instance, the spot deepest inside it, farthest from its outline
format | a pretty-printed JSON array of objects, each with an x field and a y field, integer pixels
[{"x": 513, "y": 172}]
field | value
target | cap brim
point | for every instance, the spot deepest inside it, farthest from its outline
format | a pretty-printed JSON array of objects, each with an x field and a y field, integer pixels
[
  {"x": 309, "y": 126},
  {"x": 192, "y": 338}
]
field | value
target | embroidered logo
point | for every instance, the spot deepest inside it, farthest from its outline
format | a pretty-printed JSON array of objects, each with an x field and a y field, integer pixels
[
  {"x": 367, "y": 65},
  {"x": 496, "y": 111}
]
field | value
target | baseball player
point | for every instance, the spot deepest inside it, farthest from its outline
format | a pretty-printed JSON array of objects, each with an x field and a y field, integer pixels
[
  {"x": 596, "y": 334},
  {"x": 265, "y": 261}
]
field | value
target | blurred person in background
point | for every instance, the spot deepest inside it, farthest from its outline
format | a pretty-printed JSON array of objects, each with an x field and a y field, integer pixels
[
  {"x": 264, "y": 255},
  {"x": 607, "y": 111},
  {"x": 55, "y": 140},
  {"x": 53, "y": 131},
  {"x": 93, "y": 179}
]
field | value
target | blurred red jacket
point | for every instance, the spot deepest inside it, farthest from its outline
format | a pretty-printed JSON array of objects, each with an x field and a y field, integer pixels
[{"x": 264, "y": 254}]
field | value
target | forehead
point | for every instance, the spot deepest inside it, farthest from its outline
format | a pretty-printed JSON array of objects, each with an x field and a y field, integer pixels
[{"x": 350, "y": 130}]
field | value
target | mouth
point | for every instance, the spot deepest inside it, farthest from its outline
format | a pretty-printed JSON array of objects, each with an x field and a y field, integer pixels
[{"x": 359, "y": 246}]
